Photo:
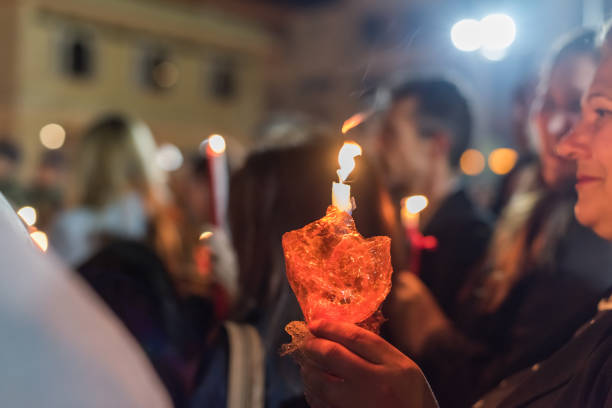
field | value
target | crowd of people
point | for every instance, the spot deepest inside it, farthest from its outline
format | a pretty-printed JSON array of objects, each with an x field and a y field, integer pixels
[{"x": 511, "y": 308}]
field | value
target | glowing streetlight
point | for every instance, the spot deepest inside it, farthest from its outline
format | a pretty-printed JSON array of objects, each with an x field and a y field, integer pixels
[
  {"x": 466, "y": 35},
  {"x": 498, "y": 31}
]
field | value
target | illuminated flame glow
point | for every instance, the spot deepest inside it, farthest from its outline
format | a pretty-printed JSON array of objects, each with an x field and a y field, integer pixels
[
  {"x": 346, "y": 159},
  {"x": 472, "y": 162},
  {"x": 354, "y": 121},
  {"x": 206, "y": 235},
  {"x": 415, "y": 204},
  {"x": 28, "y": 215},
  {"x": 502, "y": 160},
  {"x": 216, "y": 144},
  {"x": 40, "y": 239}
]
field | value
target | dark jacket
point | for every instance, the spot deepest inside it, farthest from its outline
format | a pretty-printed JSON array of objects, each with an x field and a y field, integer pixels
[
  {"x": 579, "y": 375},
  {"x": 462, "y": 231}
]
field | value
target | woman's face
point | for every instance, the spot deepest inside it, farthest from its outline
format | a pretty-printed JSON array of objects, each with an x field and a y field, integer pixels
[
  {"x": 557, "y": 110},
  {"x": 590, "y": 146}
]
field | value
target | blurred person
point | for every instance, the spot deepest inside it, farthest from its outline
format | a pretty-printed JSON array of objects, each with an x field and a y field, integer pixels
[
  {"x": 510, "y": 314},
  {"x": 522, "y": 100},
  {"x": 119, "y": 192},
  {"x": 59, "y": 346},
  {"x": 10, "y": 158},
  {"x": 364, "y": 368},
  {"x": 427, "y": 128},
  {"x": 120, "y": 234},
  {"x": 215, "y": 260},
  {"x": 46, "y": 192},
  {"x": 277, "y": 191}
]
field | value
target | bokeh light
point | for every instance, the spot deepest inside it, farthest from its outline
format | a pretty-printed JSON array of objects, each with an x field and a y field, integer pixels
[
  {"x": 466, "y": 35},
  {"x": 28, "y": 215},
  {"x": 40, "y": 239},
  {"x": 169, "y": 157},
  {"x": 52, "y": 136},
  {"x": 502, "y": 160},
  {"x": 498, "y": 31},
  {"x": 415, "y": 204},
  {"x": 493, "y": 55},
  {"x": 472, "y": 162}
]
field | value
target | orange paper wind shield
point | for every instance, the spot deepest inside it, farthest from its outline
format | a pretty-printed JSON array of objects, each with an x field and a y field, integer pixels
[{"x": 335, "y": 272}]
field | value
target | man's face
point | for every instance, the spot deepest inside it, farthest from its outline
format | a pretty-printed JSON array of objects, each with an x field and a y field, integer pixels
[{"x": 403, "y": 154}]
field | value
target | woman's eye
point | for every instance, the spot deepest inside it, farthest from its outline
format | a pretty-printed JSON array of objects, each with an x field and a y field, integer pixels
[{"x": 602, "y": 113}]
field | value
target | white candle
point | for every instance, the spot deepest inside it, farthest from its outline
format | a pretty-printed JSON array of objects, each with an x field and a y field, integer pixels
[
  {"x": 341, "y": 197},
  {"x": 219, "y": 179}
]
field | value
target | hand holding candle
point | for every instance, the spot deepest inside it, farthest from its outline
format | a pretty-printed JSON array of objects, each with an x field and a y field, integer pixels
[{"x": 335, "y": 272}]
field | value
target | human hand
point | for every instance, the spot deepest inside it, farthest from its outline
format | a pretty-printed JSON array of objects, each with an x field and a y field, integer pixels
[
  {"x": 347, "y": 366},
  {"x": 414, "y": 315}
]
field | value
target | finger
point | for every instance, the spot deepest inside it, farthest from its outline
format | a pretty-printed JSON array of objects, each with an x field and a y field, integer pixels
[
  {"x": 333, "y": 358},
  {"x": 360, "y": 341},
  {"x": 323, "y": 389}
]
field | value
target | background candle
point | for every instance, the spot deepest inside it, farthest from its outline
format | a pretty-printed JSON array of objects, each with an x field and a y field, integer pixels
[{"x": 219, "y": 179}]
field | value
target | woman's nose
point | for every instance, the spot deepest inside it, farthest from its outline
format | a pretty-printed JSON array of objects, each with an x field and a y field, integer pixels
[{"x": 574, "y": 145}]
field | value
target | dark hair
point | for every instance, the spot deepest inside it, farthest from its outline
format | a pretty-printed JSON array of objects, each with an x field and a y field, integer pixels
[
  {"x": 10, "y": 151},
  {"x": 581, "y": 41},
  {"x": 440, "y": 106}
]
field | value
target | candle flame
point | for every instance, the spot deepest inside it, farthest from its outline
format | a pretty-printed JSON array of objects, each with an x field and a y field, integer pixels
[
  {"x": 415, "y": 204},
  {"x": 28, "y": 215},
  {"x": 346, "y": 159},
  {"x": 40, "y": 239},
  {"x": 205, "y": 235},
  {"x": 354, "y": 121},
  {"x": 216, "y": 144}
]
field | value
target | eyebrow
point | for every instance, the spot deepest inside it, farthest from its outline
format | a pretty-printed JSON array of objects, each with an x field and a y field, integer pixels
[{"x": 598, "y": 95}]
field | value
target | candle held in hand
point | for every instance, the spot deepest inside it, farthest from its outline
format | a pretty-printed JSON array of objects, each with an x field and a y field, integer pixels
[{"x": 341, "y": 193}]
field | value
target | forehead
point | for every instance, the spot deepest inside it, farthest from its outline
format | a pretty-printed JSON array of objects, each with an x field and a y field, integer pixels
[
  {"x": 404, "y": 108},
  {"x": 574, "y": 72},
  {"x": 602, "y": 84}
]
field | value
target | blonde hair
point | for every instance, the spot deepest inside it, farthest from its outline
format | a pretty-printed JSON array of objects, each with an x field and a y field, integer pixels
[{"x": 116, "y": 155}]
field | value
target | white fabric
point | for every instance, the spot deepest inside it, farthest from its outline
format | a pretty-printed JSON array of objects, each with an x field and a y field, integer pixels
[
  {"x": 77, "y": 234},
  {"x": 59, "y": 345}
]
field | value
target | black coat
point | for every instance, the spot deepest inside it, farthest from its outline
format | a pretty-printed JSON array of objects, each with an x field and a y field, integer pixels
[
  {"x": 462, "y": 231},
  {"x": 579, "y": 375}
]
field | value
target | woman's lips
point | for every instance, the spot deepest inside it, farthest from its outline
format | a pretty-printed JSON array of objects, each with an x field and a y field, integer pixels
[{"x": 583, "y": 180}]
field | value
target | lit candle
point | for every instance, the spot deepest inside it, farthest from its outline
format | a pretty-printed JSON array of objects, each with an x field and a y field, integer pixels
[
  {"x": 219, "y": 179},
  {"x": 411, "y": 210},
  {"x": 341, "y": 193},
  {"x": 410, "y": 213}
]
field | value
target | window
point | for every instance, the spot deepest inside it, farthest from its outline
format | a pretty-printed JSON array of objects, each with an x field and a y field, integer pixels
[
  {"x": 77, "y": 55},
  {"x": 223, "y": 83},
  {"x": 156, "y": 70}
]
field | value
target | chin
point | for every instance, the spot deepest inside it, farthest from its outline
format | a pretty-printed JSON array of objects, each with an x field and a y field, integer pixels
[{"x": 588, "y": 218}]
